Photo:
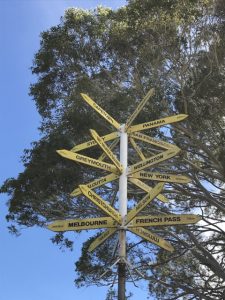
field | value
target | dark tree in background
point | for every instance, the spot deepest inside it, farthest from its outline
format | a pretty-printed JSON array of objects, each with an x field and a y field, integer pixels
[{"x": 115, "y": 57}]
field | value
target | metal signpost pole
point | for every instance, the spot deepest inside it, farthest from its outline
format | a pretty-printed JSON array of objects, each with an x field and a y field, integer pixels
[
  {"x": 123, "y": 212},
  {"x": 120, "y": 221}
]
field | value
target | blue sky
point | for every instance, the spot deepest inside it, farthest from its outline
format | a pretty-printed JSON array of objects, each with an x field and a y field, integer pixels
[{"x": 31, "y": 267}]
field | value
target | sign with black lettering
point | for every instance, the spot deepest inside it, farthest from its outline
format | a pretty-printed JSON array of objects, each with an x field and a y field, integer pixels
[
  {"x": 161, "y": 177},
  {"x": 96, "y": 183},
  {"x": 88, "y": 161},
  {"x": 101, "y": 111},
  {"x": 150, "y": 140},
  {"x": 144, "y": 202},
  {"x": 91, "y": 143},
  {"x": 82, "y": 224},
  {"x": 111, "y": 147},
  {"x": 152, "y": 237},
  {"x": 157, "y": 123},
  {"x": 166, "y": 220},
  {"x": 102, "y": 204},
  {"x": 107, "y": 150},
  {"x": 102, "y": 237},
  {"x": 153, "y": 160}
]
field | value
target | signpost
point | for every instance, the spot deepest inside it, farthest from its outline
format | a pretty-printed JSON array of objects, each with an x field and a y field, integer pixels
[
  {"x": 101, "y": 111},
  {"x": 163, "y": 220},
  {"x": 119, "y": 220},
  {"x": 151, "y": 140},
  {"x": 108, "y": 222},
  {"x": 148, "y": 162},
  {"x": 82, "y": 224},
  {"x": 137, "y": 148},
  {"x": 102, "y": 237},
  {"x": 88, "y": 161},
  {"x": 102, "y": 204},
  {"x": 147, "y": 188},
  {"x": 139, "y": 108},
  {"x": 161, "y": 177},
  {"x": 152, "y": 237},
  {"x": 144, "y": 202},
  {"x": 107, "y": 150},
  {"x": 92, "y": 143},
  {"x": 96, "y": 183},
  {"x": 157, "y": 123},
  {"x": 111, "y": 147}
]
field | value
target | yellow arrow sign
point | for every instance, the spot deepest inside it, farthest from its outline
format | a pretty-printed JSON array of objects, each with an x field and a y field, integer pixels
[
  {"x": 101, "y": 111},
  {"x": 139, "y": 108},
  {"x": 144, "y": 202},
  {"x": 95, "y": 183},
  {"x": 99, "y": 240},
  {"x": 106, "y": 149},
  {"x": 161, "y": 177},
  {"x": 88, "y": 161},
  {"x": 102, "y": 204},
  {"x": 152, "y": 237},
  {"x": 82, "y": 224},
  {"x": 91, "y": 143},
  {"x": 150, "y": 140},
  {"x": 147, "y": 188},
  {"x": 158, "y": 220},
  {"x": 153, "y": 160},
  {"x": 157, "y": 123},
  {"x": 111, "y": 147},
  {"x": 137, "y": 148}
]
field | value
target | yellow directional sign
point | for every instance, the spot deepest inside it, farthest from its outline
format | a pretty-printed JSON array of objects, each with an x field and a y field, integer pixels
[
  {"x": 137, "y": 148},
  {"x": 99, "y": 240},
  {"x": 150, "y": 140},
  {"x": 161, "y": 177},
  {"x": 102, "y": 204},
  {"x": 147, "y": 188},
  {"x": 157, "y": 220},
  {"x": 157, "y": 123},
  {"x": 152, "y": 237},
  {"x": 91, "y": 143},
  {"x": 107, "y": 150},
  {"x": 139, "y": 108},
  {"x": 153, "y": 160},
  {"x": 88, "y": 161},
  {"x": 95, "y": 183},
  {"x": 144, "y": 202},
  {"x": 101, "y": 111},
  {"x": 82, "y": 224},
  {"x": 111, "y": 147}
]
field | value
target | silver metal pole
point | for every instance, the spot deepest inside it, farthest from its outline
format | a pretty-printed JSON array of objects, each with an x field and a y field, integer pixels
[{"x": 123, "y": 212}]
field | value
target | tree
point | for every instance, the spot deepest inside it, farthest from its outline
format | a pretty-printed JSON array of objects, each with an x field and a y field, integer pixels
[{"x": 116, "y": 57}]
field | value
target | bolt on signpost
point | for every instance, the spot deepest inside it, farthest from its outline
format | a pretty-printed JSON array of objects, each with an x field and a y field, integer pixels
[{"x": 121, "y": 221}]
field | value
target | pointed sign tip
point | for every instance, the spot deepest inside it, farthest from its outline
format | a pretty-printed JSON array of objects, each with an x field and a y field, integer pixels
[
  {"x": 61, "y": 152},
  {"x": 49, "y": 226},
  {"x": 171, "y": 249},
  {"x": 90, "y": 249},
  {"x": 168, "y": 246},
  {"x": 183, "y": 116},
  {"x": 92, "y": 131}
]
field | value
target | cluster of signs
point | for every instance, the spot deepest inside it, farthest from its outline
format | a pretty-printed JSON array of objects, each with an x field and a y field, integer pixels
[{"x": 135, "y": 174}]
